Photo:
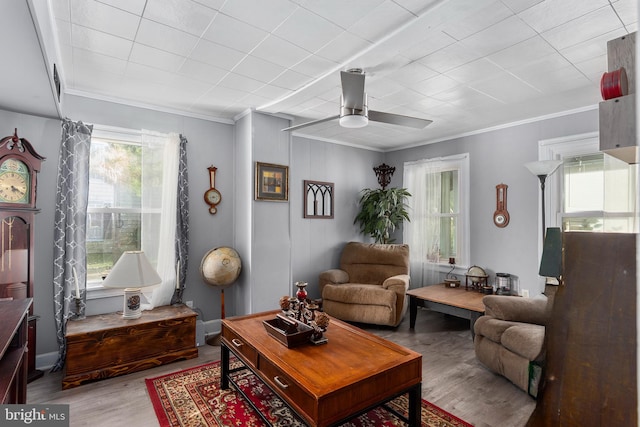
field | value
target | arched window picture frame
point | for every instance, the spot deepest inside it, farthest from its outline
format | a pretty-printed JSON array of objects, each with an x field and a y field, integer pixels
[{"x": 318, "y": 199}]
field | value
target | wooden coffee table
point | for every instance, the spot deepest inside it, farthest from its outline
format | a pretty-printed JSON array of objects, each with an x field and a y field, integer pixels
[
  {"x": 326, "y": 384},
  {"x": 454, "y": 301}
]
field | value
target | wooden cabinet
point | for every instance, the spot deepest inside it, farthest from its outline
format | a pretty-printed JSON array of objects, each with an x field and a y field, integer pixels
[
  {"x": 618, "y": 115},
  {"x": 590, "y": 377},
  {"x": 13, "y": 355},
  {"x": 108, "y": 345}
]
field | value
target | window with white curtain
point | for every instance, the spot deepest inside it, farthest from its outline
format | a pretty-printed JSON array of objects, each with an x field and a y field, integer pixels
[
  {"x": 438, "y": 208},
  {"x": 132, "y": 200},
  {"x": 592, "y": 191}
]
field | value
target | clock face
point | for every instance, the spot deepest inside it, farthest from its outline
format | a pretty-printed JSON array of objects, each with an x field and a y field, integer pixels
[
  {"x": 14, "y": 182},
  {"x": 212, "y": 196}
]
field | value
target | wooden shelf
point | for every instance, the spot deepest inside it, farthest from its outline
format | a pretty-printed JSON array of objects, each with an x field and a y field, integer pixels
[{"x": 618, "y": 115}]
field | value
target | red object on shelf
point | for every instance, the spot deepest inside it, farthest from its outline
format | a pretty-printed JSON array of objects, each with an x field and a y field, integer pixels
[{"x": 614, "y": 84}]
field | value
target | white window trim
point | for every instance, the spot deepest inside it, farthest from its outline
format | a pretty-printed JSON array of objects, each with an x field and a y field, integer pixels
[
  {"x": 462, "y": 164},
  {"x": 559, "y": 149}
]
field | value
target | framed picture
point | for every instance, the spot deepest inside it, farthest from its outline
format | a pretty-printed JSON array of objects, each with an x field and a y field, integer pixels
[
  {"x": 318, "y": 199},
  {"x": 272, "y": 182}
]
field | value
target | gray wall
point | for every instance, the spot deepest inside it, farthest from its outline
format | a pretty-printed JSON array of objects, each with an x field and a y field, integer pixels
[
  {"x": 498, "y": 157},
  {"x": 317, "y": 243},
  {"x": 277, "y": 244},
  {"x": 263, "y": 227},
  {"x": 209, "y": 143}
]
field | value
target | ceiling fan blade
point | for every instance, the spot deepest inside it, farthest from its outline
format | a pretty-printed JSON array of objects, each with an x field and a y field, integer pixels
[
  {"x": 311, "y": 123},
  {"x": 352, "y": 89},
  {"x": 397, "y": 119}
]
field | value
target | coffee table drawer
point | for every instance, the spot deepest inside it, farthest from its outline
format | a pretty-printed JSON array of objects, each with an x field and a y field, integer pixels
[
  {"x": 287, "y": 387},
  {"x": 239, "y": 346}
]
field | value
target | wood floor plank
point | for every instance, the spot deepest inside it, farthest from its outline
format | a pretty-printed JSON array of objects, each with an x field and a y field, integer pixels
[{"x": 452, "y": 378}]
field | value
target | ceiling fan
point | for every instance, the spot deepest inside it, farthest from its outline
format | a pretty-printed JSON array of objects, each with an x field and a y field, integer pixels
[{"x": 354, "y": 112}]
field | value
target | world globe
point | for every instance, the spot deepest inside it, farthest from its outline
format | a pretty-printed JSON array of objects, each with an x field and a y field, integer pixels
[{"x": 221, "y": 266}]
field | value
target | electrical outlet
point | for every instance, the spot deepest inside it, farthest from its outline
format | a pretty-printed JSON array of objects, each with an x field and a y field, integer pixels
[
  {"x": 525, "y": 293},
  {"x": 189, "y": 304}
]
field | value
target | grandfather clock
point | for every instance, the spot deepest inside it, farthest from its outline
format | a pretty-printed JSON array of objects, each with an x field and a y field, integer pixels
[{"x": 19, "y": 165}]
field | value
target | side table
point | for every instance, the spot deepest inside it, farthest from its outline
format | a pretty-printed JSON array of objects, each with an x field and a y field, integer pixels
[{"x": 453, "y": 301}]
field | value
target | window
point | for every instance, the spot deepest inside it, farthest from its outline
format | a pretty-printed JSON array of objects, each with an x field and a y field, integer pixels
[
  {"x": 593, "y": 191},
  {"x": 439, "y": 226},
  {"x": 132, "y": 200},
  {"x": 114, "y": 211}
]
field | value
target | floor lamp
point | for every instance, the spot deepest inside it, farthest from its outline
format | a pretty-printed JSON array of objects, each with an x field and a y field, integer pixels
[{"x": 542, "y": 169}]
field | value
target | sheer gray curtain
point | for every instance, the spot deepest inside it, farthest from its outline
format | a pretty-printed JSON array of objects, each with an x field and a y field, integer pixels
[
  {"x": 182, "y": 223},
  {"x": 69, "y": 260}
]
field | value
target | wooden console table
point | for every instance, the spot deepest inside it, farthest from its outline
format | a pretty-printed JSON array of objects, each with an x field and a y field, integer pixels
[
  {"x": 107, "y": 345},
  {"x": 330, "y": 383},
  {"x": 13, "y": 350}
]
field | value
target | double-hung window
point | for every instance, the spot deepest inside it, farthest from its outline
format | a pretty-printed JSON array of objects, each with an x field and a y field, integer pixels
[
  {"x": 592, "y": 191},
  {"x": 114, "y": 210},
  {"x": 439, "y": 226},
  {"x": 132, "y": 200}
]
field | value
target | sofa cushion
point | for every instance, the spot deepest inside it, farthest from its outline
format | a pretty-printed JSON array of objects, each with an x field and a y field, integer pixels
[
  {"x": 517, "y": 309},
  {"x": 360, "y": 294},
  {"x": 491, "y": 327},
  {"x": 524, "y": 339},
  {"x": 373, "y": 262}
]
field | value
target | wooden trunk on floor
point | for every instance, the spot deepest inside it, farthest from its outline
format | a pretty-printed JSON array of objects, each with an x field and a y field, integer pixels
[
  {"x": 591, "y": 373},
  {"x": 107, "y": 345}
]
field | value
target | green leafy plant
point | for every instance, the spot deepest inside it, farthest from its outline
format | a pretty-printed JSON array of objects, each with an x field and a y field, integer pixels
[{"x": 381, "y": 211}]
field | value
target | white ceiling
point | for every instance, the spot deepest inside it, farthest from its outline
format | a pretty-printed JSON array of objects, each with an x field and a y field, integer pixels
[{"x": 465, "y": 64}]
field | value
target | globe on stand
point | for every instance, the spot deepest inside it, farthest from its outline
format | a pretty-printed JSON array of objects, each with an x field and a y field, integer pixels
[{"x": 221, "y": 267}]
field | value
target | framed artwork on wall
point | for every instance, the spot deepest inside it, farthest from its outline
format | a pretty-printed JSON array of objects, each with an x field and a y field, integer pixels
[
  {"x": 318, "y": 199},
  {"x": 272, "y": 182}
]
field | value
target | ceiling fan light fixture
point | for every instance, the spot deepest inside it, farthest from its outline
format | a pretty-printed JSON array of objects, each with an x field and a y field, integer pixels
[{"x": 354, "y": 121}]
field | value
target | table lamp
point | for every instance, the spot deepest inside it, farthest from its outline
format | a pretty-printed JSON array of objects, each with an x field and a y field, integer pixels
[{"x": 132, "y": 272}]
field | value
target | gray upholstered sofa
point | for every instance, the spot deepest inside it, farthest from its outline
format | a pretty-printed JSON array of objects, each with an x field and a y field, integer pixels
[
  {"x": 370, "y": 286},
  {"x": 509, "y": 338}
]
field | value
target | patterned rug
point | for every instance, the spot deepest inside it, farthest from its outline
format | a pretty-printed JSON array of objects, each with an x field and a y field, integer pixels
[{"x": 192, "y": 397}]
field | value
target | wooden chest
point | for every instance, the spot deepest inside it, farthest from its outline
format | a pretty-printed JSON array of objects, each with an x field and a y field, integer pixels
[{"x": 107, "y": 345}]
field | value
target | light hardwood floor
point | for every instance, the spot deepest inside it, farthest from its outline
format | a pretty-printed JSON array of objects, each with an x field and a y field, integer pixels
[{"x": 452, "y": 378}]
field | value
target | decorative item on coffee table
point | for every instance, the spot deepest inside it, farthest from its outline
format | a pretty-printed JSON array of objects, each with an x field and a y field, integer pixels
[
  {"x": 503, "y": 284},
  {"x": 452, "y": 281},
  {"x": 478, "y": 278},
  {"x": 300, "y": 317}
]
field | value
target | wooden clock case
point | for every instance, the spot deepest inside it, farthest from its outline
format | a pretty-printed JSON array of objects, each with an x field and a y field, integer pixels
[{"x": 17, "y": 238}]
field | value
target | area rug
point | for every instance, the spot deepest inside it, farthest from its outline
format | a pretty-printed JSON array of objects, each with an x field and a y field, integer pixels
[{"x": 192, "y": 397}]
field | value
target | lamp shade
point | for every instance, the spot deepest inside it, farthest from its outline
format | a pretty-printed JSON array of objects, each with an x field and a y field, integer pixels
[
  {"x": 551, "y": 262},
  {"x": 132, "y": 270},
  {"x": 543, "y": 167}
]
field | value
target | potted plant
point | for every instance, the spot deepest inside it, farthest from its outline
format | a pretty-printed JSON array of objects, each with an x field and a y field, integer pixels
[{"x": 381, "y": 211}]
